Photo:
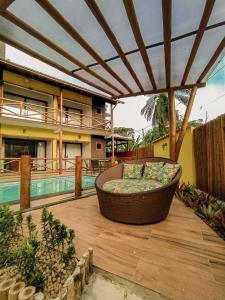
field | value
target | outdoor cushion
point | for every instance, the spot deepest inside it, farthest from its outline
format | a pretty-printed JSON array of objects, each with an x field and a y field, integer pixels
[
  {"x": 132, "y": 171},
  {"x": 130, "y": 185},
  {"x": 167, "y": 173},
  {"x": 152, "y": 169}
]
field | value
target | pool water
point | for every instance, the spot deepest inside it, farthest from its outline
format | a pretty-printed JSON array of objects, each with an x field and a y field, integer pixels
[{"x": 10, "y": 191}]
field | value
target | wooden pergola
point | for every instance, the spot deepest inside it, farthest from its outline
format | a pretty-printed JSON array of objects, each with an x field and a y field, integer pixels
[{"x": 123, "y": 48}]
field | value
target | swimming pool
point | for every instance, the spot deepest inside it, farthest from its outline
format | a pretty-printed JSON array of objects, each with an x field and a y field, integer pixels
[{"x": 10, "y": 191}]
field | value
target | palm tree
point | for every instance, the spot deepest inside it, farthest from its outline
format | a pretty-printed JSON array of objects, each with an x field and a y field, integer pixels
[{"x": 156, "y": 108}]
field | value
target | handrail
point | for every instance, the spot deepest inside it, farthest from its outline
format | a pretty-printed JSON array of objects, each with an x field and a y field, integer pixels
[{"x": 49, "y": 115}]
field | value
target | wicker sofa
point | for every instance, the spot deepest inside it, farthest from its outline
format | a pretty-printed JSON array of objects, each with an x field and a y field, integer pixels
[{"x": 135, "y": 208}]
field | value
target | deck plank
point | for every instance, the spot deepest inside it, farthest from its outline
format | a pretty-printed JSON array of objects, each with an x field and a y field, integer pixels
[{"x": 181, "y": 257}]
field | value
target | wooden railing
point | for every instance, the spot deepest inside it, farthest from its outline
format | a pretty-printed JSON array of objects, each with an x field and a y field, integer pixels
[
  {"x": 25, "y": 167},
  {"x": 9, "y": 166},
  {"x": 44, "y": 114}
]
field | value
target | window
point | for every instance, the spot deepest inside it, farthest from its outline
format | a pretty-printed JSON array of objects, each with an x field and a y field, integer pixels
[
  {"x": 72, "y": 116},
  {"x": 99, "y": 146},
  {"x": 98, "y": 111}
]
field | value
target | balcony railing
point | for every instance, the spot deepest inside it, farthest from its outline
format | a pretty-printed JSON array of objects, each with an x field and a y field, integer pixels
[{"x": 44, "y": 114}]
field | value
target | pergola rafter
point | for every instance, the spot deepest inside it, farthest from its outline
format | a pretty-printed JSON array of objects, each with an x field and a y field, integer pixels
[
  {"x": 212, "y": 60},
  {"x": 4, "y": 4},
  {"x": 158, "y": 91},
  {"x": 204, "y": 21},
  {"x": 111, "y": 36},
  {"x": 167, "y": 12},
  {"x": 129, "y": 6},
  {"x": 50, "y": 9},
  {"x": 20, "y": 23},
  {"x": 135, "y": 20},
  {"x": 50, "y": 62}
]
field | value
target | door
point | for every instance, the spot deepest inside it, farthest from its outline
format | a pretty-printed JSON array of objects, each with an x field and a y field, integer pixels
[{"x": 70, "y": 150}]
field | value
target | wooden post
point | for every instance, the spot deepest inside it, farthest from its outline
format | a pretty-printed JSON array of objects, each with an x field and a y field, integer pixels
[
  {"x": 1, "y": 90},
  {"x": 113, "y": 160},
  {"x": 78, "y": 176},
  {"x": 4, "y": 288},
  {"x": 172, "y": 123},
  {"x": 112, "y": 131},
  {"x": 77, "y": 284},
  {"x": 15, "y": 290},
  {"x": 61, "y": 133},
  {"x": 185, "y": 121},
  {"x": 86, "y": 257},
  {"x": 81, "y": 265},
  {"x": 27, "y": 293},
  {"x": 25, "y": 181},
  {"x": 90, "y": 250},
  {"x": 69, "y": 285}
]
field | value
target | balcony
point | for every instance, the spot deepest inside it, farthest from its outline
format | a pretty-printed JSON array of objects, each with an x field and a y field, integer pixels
[{"x": 50, "y": 117}]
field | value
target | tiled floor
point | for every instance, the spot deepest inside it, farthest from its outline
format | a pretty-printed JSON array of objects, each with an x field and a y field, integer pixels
[{"x": 181, "y": 257}]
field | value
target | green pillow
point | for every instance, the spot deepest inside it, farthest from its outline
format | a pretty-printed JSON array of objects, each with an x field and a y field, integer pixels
[
  {"x": 152, "y": 169},
  {"x": 132, "y": 171},
  {"x": 167, "y": 173}
]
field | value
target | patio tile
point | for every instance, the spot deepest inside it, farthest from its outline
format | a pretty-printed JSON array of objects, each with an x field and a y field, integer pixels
[{"x": 181, "y": 257}]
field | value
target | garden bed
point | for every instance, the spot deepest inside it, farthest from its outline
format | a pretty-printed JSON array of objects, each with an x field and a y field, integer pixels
[
  {"x": 210, "y": 209},
  {"x": 40, "y": 265}
]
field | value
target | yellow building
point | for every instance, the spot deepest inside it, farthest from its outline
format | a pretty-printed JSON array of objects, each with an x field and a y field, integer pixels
[
  {"x": 186, "y": 156},
  {"x": 32, "y": 119}
]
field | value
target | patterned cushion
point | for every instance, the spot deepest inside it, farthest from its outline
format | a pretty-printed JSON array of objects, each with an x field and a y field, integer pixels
[
  {"x": 131, "y": 185},
  {"x": 132, "y": 171},
  {"x": 167, "y": 173},
  {"x": 152, "y": 169}
]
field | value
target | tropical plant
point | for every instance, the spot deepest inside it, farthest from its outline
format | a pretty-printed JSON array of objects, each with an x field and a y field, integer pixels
[
  {"x": 210, "y": 211},
  {"x": 193, "y": 197},
  {"x": 36, "y": 259},
  {"x": 124, "y": 131},
  {"x": 24, "y": 256},
  {"x": 7, "y": 233},
  {"x": 153, "y": 134},
  {"x": 156, "y": 108}
]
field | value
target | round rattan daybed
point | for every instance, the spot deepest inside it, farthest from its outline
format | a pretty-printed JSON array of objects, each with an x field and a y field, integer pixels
[{"x": 135, "y": 208}]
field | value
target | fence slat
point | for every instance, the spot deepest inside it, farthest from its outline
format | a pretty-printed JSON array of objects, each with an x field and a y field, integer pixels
[{"x": 209, "y": 147}]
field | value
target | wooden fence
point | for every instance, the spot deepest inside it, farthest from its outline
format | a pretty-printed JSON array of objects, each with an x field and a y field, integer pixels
[
  {"x": 145, "y": 152},
  {"x": 142, "y": 152},
  {"x": 209, "y": 147}
]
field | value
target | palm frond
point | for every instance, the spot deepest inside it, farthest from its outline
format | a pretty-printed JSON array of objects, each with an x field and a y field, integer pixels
[
  {"x": 148, "y": 110},
  {"x": 183, "y": 96}
]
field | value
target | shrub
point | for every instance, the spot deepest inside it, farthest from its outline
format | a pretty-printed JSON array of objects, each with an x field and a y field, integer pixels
[
  {"x": 35, "y": 260},
  {"x": 207, "y": 207},
  {"x": 193, "y": 197}
]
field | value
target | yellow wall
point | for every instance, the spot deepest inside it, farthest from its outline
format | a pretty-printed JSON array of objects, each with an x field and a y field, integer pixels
[
  {"x": 40, "y": 86},
  {"x": 14, "y": 131},
  {"x": 186, "y": 157}
]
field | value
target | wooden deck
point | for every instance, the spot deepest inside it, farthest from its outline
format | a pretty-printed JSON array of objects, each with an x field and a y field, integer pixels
[{"x": 181, "y": 257}]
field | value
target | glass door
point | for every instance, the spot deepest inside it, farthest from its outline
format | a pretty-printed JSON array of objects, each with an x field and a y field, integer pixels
[{"x": 71, "y": 150}]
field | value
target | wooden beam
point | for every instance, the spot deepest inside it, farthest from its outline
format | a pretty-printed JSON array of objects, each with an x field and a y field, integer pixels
[
  {"x": 54, "y": 13},
  {"x": 111, "y": 36},
  {"x": 78, "y": 176},
  {"x": 203, "y": 24},
  {"x": 158, "y": 91},
  {"x": 212, "y": 60},
  {"x": 112, "y": 131},
  {"x": 4, "y": 4},
  {"x": 129, "y": 6},
  {"x": 51, "y": 63},
  {"x": 167, "y": 13},
  {"x": 185, "y": 121},
  {"x": 25, "y": 181},
  {"x": 172, "y": 124},
  {"x": 18, "y": 22},
  {"x": 61, "y": 133}
]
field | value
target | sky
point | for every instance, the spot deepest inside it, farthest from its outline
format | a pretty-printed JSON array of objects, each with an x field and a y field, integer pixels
[{"x": 209, "y": 102}]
